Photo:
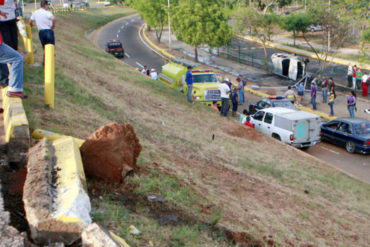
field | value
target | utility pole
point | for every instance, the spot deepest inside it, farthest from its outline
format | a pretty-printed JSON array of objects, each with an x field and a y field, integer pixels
[
  {"x": 329, "y": 27},
  {"x": 169, "y": 26}
]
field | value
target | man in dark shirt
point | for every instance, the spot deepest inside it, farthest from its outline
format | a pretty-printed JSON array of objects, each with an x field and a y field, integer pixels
[{"x": 189, "y": 83}]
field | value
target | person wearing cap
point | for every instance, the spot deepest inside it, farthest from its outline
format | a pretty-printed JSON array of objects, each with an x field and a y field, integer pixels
[
  {"x": 313, "y": 93},
  {"x": 153, "y": 74},
  {"x": 15, "y": 60},
  {"x": 189, "y": 83},
  {"x": 45, "y": 23},
  {"x": 225, "y": 91}
]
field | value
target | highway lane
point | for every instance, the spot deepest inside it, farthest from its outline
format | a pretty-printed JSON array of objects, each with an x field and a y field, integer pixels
[{"x": 137, "y": 53}]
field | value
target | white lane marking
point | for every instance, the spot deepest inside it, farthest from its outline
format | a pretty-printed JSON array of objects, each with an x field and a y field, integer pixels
[
  {"x": 117, "y": 35},
  {"x": 141, "y": 66},
  {"x": 141, "y": 38},
  {"x": 328, "y": 149},
  {"x": 127, "y": 55}
]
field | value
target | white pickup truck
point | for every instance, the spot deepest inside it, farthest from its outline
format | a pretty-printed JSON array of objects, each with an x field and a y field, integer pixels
[{"x": 297, "y": 128}]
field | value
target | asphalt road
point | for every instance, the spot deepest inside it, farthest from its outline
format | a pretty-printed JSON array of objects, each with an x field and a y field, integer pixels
[{"x": 138, "y": 54}]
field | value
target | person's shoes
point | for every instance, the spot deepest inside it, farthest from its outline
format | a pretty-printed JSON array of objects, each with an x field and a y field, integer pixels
[{"x": 16, "y": 94}]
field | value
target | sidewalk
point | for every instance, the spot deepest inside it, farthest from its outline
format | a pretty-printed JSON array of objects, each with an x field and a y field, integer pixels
[{"x": 269, "y": 83}]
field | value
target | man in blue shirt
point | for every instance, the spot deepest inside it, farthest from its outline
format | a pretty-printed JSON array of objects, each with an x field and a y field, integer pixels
[
  {"x": 189, "y": 83},
  {"x": 300, "y": 90}
]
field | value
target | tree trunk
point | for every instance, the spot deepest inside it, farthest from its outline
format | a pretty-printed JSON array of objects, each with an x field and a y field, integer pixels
[
  {"x": 196, "y": 53},
  {"x": 294, "y": 38}
]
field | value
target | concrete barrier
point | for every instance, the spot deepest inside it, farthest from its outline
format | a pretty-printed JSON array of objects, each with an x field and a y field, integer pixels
[
  {"x": 96, "y": 236},
  {"x": 55, "y": 197},
  {"x": 16, "y": 127}
]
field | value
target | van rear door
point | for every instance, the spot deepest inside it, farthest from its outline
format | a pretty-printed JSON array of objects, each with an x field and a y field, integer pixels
[{"x": 301, "y": 130}]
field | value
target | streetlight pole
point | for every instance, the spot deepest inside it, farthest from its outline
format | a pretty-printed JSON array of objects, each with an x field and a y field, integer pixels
[
  {"x": 329, "y": 27},
  {"x": 169, "y": 26}
]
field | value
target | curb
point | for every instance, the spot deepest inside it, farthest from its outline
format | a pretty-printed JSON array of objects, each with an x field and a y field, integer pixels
[
  {"x": 16, "y": 127},
  {"x": 306, "y": 53},
  {"x": 247, "y": 89},
  {"x": 51, "y": 136}
]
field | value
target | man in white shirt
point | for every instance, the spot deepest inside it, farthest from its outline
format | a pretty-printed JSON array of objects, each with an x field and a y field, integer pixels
[
  {"x": 9, "y": 31},
  {"x": 225, "y": 91},
  {"x": 45, "y": 23}
]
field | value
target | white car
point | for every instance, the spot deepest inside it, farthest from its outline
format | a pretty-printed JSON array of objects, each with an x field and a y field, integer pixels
[
  {"x": 315, "y": 28},
  {"x": 297, "y": 128}
]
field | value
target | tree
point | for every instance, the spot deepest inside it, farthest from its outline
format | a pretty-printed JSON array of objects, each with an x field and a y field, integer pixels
[
  {"x": 154, "y": 13},
  {"x": 297, "y": 22},
  {"x": 259, "y": 25},
  {"x": 201, "y": 22}
]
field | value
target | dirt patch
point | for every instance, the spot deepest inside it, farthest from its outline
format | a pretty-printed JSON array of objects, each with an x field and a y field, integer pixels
[
  {"x": 243, "y": 239},
  {"x": 110, "y": 153},
  {"x": 242, "y": 131}
]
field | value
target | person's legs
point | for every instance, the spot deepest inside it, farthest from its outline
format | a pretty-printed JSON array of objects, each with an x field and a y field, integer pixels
[
  {"x": 227, "y": 107},
  {"x": 354, "y": 83},
  {"x": 222, "y": 106},
  {"x": 331, "y": 104},
  {"x": 10, "y": 56},
  {"x": 358, "y": 84},
  {"x": 324, "y": 95},
  {"x": 190, "y": 90},
  {"x": 13, "y": 32},
  {"x": 241, "y": 96},
  {"x": 349, "y": 79},
  {"x": 313, "y": 100},
  {"x": 351, "y": 110}
]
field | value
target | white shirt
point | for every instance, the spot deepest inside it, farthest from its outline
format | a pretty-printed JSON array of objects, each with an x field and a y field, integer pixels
[
  {"x": 9, "y": 9},
  {"x": 154, "y": 75},
  {"x": 364, "y": 78},
  {"x": 350, "y": 70},
  {"x": 224, "y": 90},
  {"x": 43, "y": 18}
]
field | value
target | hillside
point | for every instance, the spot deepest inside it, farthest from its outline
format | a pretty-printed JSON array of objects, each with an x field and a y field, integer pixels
[{"x": 241, "y": 186}]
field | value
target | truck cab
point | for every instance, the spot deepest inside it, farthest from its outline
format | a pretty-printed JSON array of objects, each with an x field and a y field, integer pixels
[
  {"x": 205, "y": 82},
  {"x": 297, "y": 128}
]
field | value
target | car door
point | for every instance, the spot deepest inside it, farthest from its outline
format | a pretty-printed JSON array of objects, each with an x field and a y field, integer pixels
[
  {"x": 266, "y": 125},
  {"x": 343, "y": 133},
  {"x": 257, "y": 120},
  {"x": 328, "y": 131}
]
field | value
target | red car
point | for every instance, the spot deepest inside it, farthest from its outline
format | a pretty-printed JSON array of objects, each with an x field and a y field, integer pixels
[{"x": 115, "y": 48}]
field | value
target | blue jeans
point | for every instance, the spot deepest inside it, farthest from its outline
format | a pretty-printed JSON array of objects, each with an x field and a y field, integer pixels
[
  {"x": 351, "y": 109},
  {"x": 331, "y": 104},
  {"x": 190, "y": 91},
  {"x": 15, "y": 60},
  {"x": 324, "y": 95},
  {"x": 9, "y": 31},
  {"x": 241, "y": 96},
  {"x": 46, "y": 37},
  {"x": 313, "y": 102}
]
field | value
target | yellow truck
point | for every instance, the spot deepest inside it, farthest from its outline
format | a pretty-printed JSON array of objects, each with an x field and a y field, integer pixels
[{"x": 205, "y": 82}]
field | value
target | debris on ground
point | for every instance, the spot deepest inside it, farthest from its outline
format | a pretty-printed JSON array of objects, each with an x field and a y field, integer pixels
[
  {"x": 96, "y": 236},
  {"x": 111, "y": 152},
  {"x": 133, "y": 230}
]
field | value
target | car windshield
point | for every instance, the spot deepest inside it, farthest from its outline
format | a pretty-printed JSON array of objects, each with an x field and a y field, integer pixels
[
  {"x": 362, "y": 128},
  {"x": 204, "y": 78},
  {"x": 283, "y": 103},
  {"x": 114, "y": 45}
]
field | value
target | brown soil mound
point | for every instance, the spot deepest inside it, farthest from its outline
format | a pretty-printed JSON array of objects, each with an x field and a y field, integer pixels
[
  {"x": 111, "y": 152},
  {"x": 245, "y": 132}
]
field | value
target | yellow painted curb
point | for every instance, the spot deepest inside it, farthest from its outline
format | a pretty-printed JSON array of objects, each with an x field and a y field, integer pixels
[
  {"x": 72, "y": 203},
  {"x": 118, "y": 239},
  {"x": 51, "y": 136},
  {"x": 155, "y": 47},
  {"x": 321, "y": 114},
  {"x": 306, "y": 53}
]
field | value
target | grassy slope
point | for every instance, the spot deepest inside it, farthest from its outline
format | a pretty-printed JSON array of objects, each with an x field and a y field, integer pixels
[{"x": 241, "y": 180}]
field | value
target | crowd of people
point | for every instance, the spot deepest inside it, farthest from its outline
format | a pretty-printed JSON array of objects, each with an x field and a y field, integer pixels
[
  {"x": 11, "y": 61},
  {"x": 357, "y": 80}
]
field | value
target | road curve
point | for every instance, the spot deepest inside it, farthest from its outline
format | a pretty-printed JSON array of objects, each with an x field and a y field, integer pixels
[{"x": 138, "y": 54}]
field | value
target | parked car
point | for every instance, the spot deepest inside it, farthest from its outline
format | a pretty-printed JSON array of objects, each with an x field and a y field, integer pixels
[
  {"x": 352, "y": 133},
  {"x": 297, "y": 128},
  {"x": 115, "y": 48},
  {"x": 315, "y": 28},
  {"x": 273, "y": 101}
]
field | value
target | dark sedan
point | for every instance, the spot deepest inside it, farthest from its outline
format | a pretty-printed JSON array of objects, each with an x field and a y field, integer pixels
[
  {"x": 115, "y": 48},
  {"x": 352, "y": 133},
  {"x": 274, "y": 101}
]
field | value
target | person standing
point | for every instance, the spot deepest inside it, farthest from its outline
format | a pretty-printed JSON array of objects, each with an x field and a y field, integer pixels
[
  {"x": 300, "y": 90},
  {"x": 324, "y": 89},
  {"x": 359, "y": 75},
  {"x": 331, "y": 102},
  {"x": 15, "y": 60},
  {"x": 365, "y": 87},
  {"x": 241, "y": 90},
  {"x": 9, "y": 32},
  {"x": 154, "y": 74},
  {"x": 313, "y": 94},
  {"x": 234, "y": 101},
  {"x": 225, "y": 91},
  {"x": 349, "y": 75},
  {"x": 45, "y": 23},
  {"x": 290, "y": 95},
  {"x": 189, "y": 83},
  {"x": 354, "y": 71},
  {"x": 351, "y": 103},
  {"x": 331, "y": 85}
]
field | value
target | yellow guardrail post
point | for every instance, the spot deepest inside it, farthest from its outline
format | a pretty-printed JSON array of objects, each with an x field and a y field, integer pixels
[
  {"x": 49, "y": 75},
  {"x": 30, "y": 58}
]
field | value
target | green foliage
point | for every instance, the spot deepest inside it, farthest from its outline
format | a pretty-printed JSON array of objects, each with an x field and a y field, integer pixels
[
  {"x": 201, "y": 22},
  {"x": 366, "y": 36},
  {"x": 297, "y": 22}
]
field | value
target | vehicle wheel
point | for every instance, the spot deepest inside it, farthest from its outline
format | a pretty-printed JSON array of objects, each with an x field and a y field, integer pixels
[
  {"x": 350, "y": 147},
  {"x": 276, "y": 136},
  {"x": 304, "y": 148}
]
